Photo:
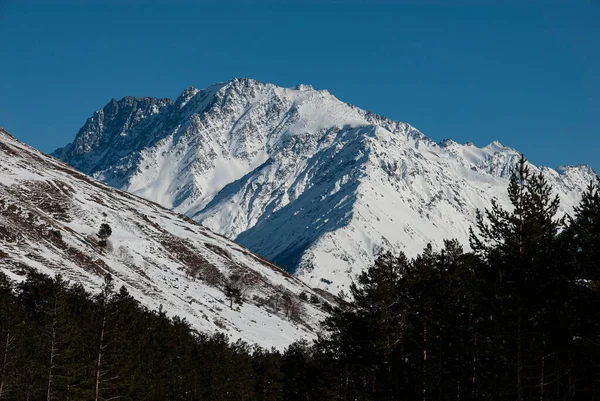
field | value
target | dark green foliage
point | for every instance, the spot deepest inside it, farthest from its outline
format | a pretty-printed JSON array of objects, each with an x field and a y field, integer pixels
[
  {"x": 516, "y": 319},
  {"x": 584, "y": 232},
  {"x": 233, "y": 294},
  {"x": 53, "y": 335},
  {"x": 13, "y": 362},
  {"x": 305, "y": 374},
  {"x": 363, "y": 336},
  {"x": 103, "y": 233},
  {"x": 531, "y": 284}
]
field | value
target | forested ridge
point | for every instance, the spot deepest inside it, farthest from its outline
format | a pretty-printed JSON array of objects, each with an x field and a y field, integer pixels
[{"x": 516, "y": 318}]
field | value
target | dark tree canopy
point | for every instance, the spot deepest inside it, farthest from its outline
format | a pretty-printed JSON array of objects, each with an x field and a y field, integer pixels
[
  {"x": 517, "y": 318},
  {"x": 103, "y": 233},
  {"x": 233, "y": 294}
]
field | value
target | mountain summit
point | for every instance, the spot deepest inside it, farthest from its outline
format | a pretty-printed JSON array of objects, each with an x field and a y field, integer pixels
[{"x": 312, "y": 183}]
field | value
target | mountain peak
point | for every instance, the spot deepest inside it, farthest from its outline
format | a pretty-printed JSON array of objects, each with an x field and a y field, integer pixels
[
  {"x": 584, "y": 169},
  {"x": 189, "y": 91},
  {"x": 303, "y": 87},
  {"x": 447, "y": 142},
  {"x": 304, "y": 179},
  {"x": 243, "y": 82},
  {"x": 185, "y": 97},
  {"x": 496, "y": 146}
]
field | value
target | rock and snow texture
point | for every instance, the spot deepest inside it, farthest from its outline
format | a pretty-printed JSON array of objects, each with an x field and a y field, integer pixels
[
  {"x": 314, "y": 184},
  {"x": 50, "y": 213}
]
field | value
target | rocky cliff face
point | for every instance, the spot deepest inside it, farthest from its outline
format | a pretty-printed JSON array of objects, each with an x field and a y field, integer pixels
[{"x": 308, "y": 181}]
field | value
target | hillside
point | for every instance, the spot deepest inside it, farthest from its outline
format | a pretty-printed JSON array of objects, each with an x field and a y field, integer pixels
[{"x": 49, "y": 217}]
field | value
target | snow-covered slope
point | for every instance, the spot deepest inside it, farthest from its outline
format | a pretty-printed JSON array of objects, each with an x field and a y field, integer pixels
[
  {"x": 49, "y": 214},
  {"x": 314, "y": 184}
]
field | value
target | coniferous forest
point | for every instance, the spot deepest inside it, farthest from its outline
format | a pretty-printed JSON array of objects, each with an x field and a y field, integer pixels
[{"x": 516, "y": 318}]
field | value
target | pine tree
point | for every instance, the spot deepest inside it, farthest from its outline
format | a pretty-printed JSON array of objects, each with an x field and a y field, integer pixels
[
  {"x": 233, "y": 294},
  {"x": 55, "y": 332},
  {"x": 122, "y": 333},
  {"x": 103, "y": 233},
  {"x": 520, "y": 245},
  {"x": 267, "y": 373},
  {"x": 11, "y": 332},
  {"x": 365, "y": 334},
  {"x": 581, "y": 243},
  {"x": 104, "y": 315},
  {"x": 584, "y": 231},
  {"x": 76, "y": 370},
  {"x": 304, "y": 374}
]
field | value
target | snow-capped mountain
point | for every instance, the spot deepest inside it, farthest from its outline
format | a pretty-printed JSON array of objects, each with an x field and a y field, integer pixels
[
  {"x": 49, "y": 217},
  {"x": 314, "y": 184}
]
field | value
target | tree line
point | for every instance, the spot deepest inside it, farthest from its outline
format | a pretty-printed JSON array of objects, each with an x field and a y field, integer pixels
[
  {"x": 58, "y": 342},
  {"x": 515, "y": 318},
  {"x": 518, "y": 318}
]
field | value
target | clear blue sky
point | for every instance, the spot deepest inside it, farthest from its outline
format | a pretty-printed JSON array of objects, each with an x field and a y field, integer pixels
[{"x": 528, "y": 76}]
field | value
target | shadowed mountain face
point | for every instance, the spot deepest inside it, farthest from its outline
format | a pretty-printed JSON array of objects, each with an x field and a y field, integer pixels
[
  {"x": 298, "y": 176},
  {"x": 50, "y": 216}
]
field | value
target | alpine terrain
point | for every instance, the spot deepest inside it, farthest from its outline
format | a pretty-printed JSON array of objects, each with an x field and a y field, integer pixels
[
  {"x": 57, "y": 220},
  {"x": 307, "y": 181}
]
